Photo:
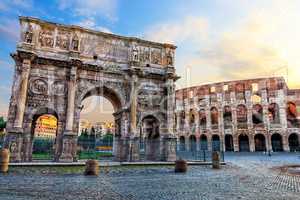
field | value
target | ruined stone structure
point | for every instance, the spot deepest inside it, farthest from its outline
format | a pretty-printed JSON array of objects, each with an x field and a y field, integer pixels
[
  {"x": 58, "y": 66},
  {"x": 246, "y": 115}
]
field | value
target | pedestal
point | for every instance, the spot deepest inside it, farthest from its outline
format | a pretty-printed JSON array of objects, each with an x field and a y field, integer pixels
[
  {"x": 14, "y": 142},
  {"x": 134, "y": 149},
  {"x": 152, "y": 149},
  {"x": 69, "y": 148},
  {"x": 121, "y": 149},
  {"x": 168, "y": 149}
]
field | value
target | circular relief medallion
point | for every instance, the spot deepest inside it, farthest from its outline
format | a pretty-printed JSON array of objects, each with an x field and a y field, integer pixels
[{"x": 39, "y": 86}]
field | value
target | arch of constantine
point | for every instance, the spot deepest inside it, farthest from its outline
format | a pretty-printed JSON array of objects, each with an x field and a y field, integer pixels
[{"x": 58, "y": 66}]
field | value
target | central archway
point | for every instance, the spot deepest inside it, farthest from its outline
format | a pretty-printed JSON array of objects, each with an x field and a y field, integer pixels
[{"x": 99, "y": 133}]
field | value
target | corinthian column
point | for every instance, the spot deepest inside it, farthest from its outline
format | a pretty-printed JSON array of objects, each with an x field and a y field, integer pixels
[
  {"x": 21, "y": 98},
  {"x": 69, "y": 142},
  {"x": 170, "y": 106},
  {"x": 71, "y": 101},
  {"x": 133, "y": 105}
]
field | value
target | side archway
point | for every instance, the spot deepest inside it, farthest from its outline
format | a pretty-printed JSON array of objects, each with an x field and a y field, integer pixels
[
  {"x": 244, "y": 143},
  {"x": 260, "y": 142},
  {"x": 294, "y": 142},
  {"x": 276, "y": 140}
]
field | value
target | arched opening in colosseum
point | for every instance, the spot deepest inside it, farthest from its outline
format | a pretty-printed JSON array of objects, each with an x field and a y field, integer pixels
[
  {"x": 216, "y": 143},
  {"x": 214, "y": 117},
  {"x": 227, "y": 116},
  {"x": 228, "y": 142},
  {"x": 260, "y": 142},
  {"x": 276, "y": 141},
  {"x": 203, "y": 142},
  {"x": 192, "y": 120},
  {"x": 291, "y": 115},
  {"x": 274, "y": 116},
  {"x": 44, "y": 135},
  {"x": 182, "y": 143},
  {"x": 193, "y": 143},
  {"x": 240, "y": 91},
  {"x": 175, "y": 122},
  {"x": 202, "y": 119},
  {"x": 243, "y": 143},
  {"x": 294, "y": 142},
  {"x": 241, "y": 112},
  {"x": 257, "y": 115},
  {"x": 182, "y": 120}
]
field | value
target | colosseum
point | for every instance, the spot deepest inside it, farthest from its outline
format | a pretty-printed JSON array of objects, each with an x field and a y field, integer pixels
[{"x": 245, "y": 115}]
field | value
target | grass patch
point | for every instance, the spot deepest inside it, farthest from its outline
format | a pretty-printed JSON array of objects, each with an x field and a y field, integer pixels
[
  {"x": 42, "y": 156},
  {"x": 93, "y": 155}
]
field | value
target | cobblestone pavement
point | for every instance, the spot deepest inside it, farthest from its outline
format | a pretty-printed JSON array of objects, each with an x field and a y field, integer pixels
[{"x": 250, "y": 176}]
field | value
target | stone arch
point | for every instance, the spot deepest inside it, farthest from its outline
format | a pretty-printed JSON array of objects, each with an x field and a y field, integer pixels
[
  {"x": 274, "y": 116},
  {"x": 260, "y": 142},
  {"x": 257, "y": 115},
  {"x": 36, "y": 114},
  {"x": 192, "y": 117},
  {"x": 193, "y": 143},
  {"x": 229, "y": 142},
  {"x": 214, "y": 117},
  {"x": 276, "y": 141},
  {"x": 227, "y": 117},
  {"x": 182, "y": 143},
  {"x": 202, "y": 119},
  {"x": 110, "y": 94},
  {"x": 151, "y": 133},
  {"x": 151, "y": 127},
  {"x": 216, "y": 146},
  {"x": 182, "y": 120},
  {"x": 291, "y": 115},
  {"x": 241, "y": 115},
  {"x": 203, "y": 142},
  {"x": 244, "y": 143},
  {"x": 294, "y": 142}
]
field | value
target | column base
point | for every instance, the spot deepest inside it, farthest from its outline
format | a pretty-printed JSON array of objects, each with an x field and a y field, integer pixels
[
  {"x": 153, "y": 150},
  {"x": 121, "y": 149},
  {"x": 168, "y": 147},
  {"x": 14, "y": 142},
  {"x": 69, "y": 148}
]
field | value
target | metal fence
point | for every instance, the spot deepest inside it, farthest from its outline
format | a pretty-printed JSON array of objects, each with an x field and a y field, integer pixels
[{"x": 43, "y": 149}]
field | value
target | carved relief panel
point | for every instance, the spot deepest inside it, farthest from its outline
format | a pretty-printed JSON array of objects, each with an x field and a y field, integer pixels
[
  {"x": 156, "y": 56},
  {"x": 63, "y": 40},
  {"x": 46, "y": 37}
]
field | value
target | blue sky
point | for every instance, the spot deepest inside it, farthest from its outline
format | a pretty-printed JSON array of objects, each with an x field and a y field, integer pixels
[{"x": 217, "y": 40}]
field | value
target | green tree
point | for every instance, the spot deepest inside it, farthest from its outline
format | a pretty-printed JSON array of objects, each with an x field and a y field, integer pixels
[{"x": 2, "y": 124}]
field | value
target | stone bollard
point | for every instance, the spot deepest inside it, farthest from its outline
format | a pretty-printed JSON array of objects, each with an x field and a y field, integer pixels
[
  {"x": 180, "y": 166},
  {"x": 216, "y": 160},
  {"x": 4, "y": 160},
  {"x": 91, "y": 168}
]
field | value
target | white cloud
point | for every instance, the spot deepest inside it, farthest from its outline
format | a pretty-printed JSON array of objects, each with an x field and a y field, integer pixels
[
  {"x": 264, "y": 43},
  {"x": 90, "y": 8},
  {"x": 9, "y": 29},
  {"x": 189, "y": 29},
  {"x": 91, "y": 24},
  {"x": 9, "y": 5}
]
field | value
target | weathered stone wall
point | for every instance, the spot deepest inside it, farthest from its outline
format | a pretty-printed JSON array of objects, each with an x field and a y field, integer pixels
[{"x": 242, "y": 109}]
